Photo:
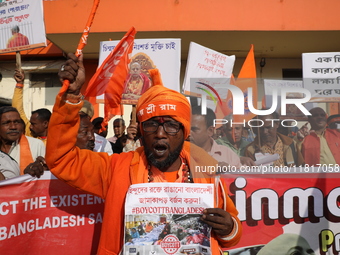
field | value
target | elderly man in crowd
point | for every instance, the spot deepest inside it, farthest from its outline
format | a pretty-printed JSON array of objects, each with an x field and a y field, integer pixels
[
  {"x": 23, "y": 149},
  {"x": 268, "y": 142},
  {"x": 319, "y": 145},
  {"x": 118, "y": 129},
  {"x": 165, "y": 157},
  {"x": 333, "y": 122},
  {"x": 85, "y": 140}
]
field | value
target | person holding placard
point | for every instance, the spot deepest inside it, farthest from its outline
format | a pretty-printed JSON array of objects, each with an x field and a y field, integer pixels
[{"x": 164, "y": 115}]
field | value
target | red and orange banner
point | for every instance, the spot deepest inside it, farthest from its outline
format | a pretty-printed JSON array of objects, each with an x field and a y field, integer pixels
[
  {"x": 47, "y": 216},
  {"x": 284, "y": 209},
  {"x": 274, "y": 209}
]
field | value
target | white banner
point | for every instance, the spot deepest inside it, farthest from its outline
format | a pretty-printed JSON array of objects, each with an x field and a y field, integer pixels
[
  {"x": 206, "y": 63},
  {"x": 163, "y": 218},
  {"x": 21, "y": 25},
  {"x": 321, "y": 75}
]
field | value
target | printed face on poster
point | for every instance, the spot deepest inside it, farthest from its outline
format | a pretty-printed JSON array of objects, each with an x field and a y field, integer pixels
[
  {"x": 21, "y": 25},
  {"x": 163, "y": 54}
]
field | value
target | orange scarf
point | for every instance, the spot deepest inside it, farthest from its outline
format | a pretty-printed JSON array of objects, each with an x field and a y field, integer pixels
[{"x": 25, "y": 154}]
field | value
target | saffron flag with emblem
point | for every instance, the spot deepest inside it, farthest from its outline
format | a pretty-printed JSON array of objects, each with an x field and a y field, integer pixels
[{"x": 110, "y": 77}]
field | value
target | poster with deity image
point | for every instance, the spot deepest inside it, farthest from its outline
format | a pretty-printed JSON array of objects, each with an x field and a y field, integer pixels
[{"x": 163, "y": 54}]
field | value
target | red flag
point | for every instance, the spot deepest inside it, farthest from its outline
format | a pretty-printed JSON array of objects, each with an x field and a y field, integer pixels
[{"x": 110, "y": 76}]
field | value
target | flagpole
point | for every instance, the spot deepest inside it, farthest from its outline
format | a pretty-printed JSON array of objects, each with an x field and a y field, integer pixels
[
  {"x": 83, "y": 39},
  {"x": 133, "y": 114}
]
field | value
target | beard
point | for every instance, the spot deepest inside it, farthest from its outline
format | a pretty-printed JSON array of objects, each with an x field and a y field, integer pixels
[{"x": 164, "y": 164}]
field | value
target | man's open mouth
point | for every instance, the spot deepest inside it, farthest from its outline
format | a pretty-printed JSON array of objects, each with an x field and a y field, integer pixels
[{"x": 160, "y": 149}]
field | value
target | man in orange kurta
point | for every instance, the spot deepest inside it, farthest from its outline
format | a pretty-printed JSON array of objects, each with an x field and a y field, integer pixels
[{"x": 165, "y": 157}]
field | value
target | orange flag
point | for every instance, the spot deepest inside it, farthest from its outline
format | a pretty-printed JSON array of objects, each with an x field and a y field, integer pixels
[
  {"x": 221, "y": 111},
  {"x": 110, "y": 77},
  {"x": 246, "y": 79},
  {"x": 228, "y": 104}
]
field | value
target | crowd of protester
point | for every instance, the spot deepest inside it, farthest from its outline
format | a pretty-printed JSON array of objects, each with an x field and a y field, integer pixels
[
  {"x": 23, "y": 139},
  {"x": 87, "y": 161}
]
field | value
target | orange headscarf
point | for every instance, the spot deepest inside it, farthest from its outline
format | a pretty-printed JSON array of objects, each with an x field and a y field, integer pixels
[{"x": 161, "y": 101}]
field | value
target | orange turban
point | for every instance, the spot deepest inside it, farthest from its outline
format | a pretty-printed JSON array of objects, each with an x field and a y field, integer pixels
[{"x": 161, "y": 101}]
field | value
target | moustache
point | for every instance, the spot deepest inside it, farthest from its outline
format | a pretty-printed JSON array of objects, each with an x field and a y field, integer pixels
[
  {"x": 12, "y": 132},
  {"x": 154, "y": 144}
]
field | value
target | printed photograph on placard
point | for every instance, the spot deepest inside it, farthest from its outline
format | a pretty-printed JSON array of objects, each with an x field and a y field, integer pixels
[
  {"x": 153, "y": 230},
  {"x": 21, "y": 25},
  {"x": 164, "y": 218},
  {"x": 138, "y": 79}
]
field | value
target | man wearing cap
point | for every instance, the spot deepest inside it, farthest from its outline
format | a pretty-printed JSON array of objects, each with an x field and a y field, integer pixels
[
  {"x": 319, "y": 145},
  {"x": 333, "y": 122},
  {"x": 165, "y": 157},
  {"x": 287, "y": 244}
]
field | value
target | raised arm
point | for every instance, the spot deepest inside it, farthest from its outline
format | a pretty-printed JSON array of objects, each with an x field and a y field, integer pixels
[
  {"x": 83, "y": 169},
  {"x": 18, "y": 101}
]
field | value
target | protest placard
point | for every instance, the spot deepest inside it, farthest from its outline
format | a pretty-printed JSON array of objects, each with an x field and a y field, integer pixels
[
  {"x": 321, "y": 75},
  {"x": 21, "y": 25},
  {"x": 163, "y": 54},
  {"x": 164, "y": 218},
  {"x": 206, "y": 63}
]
